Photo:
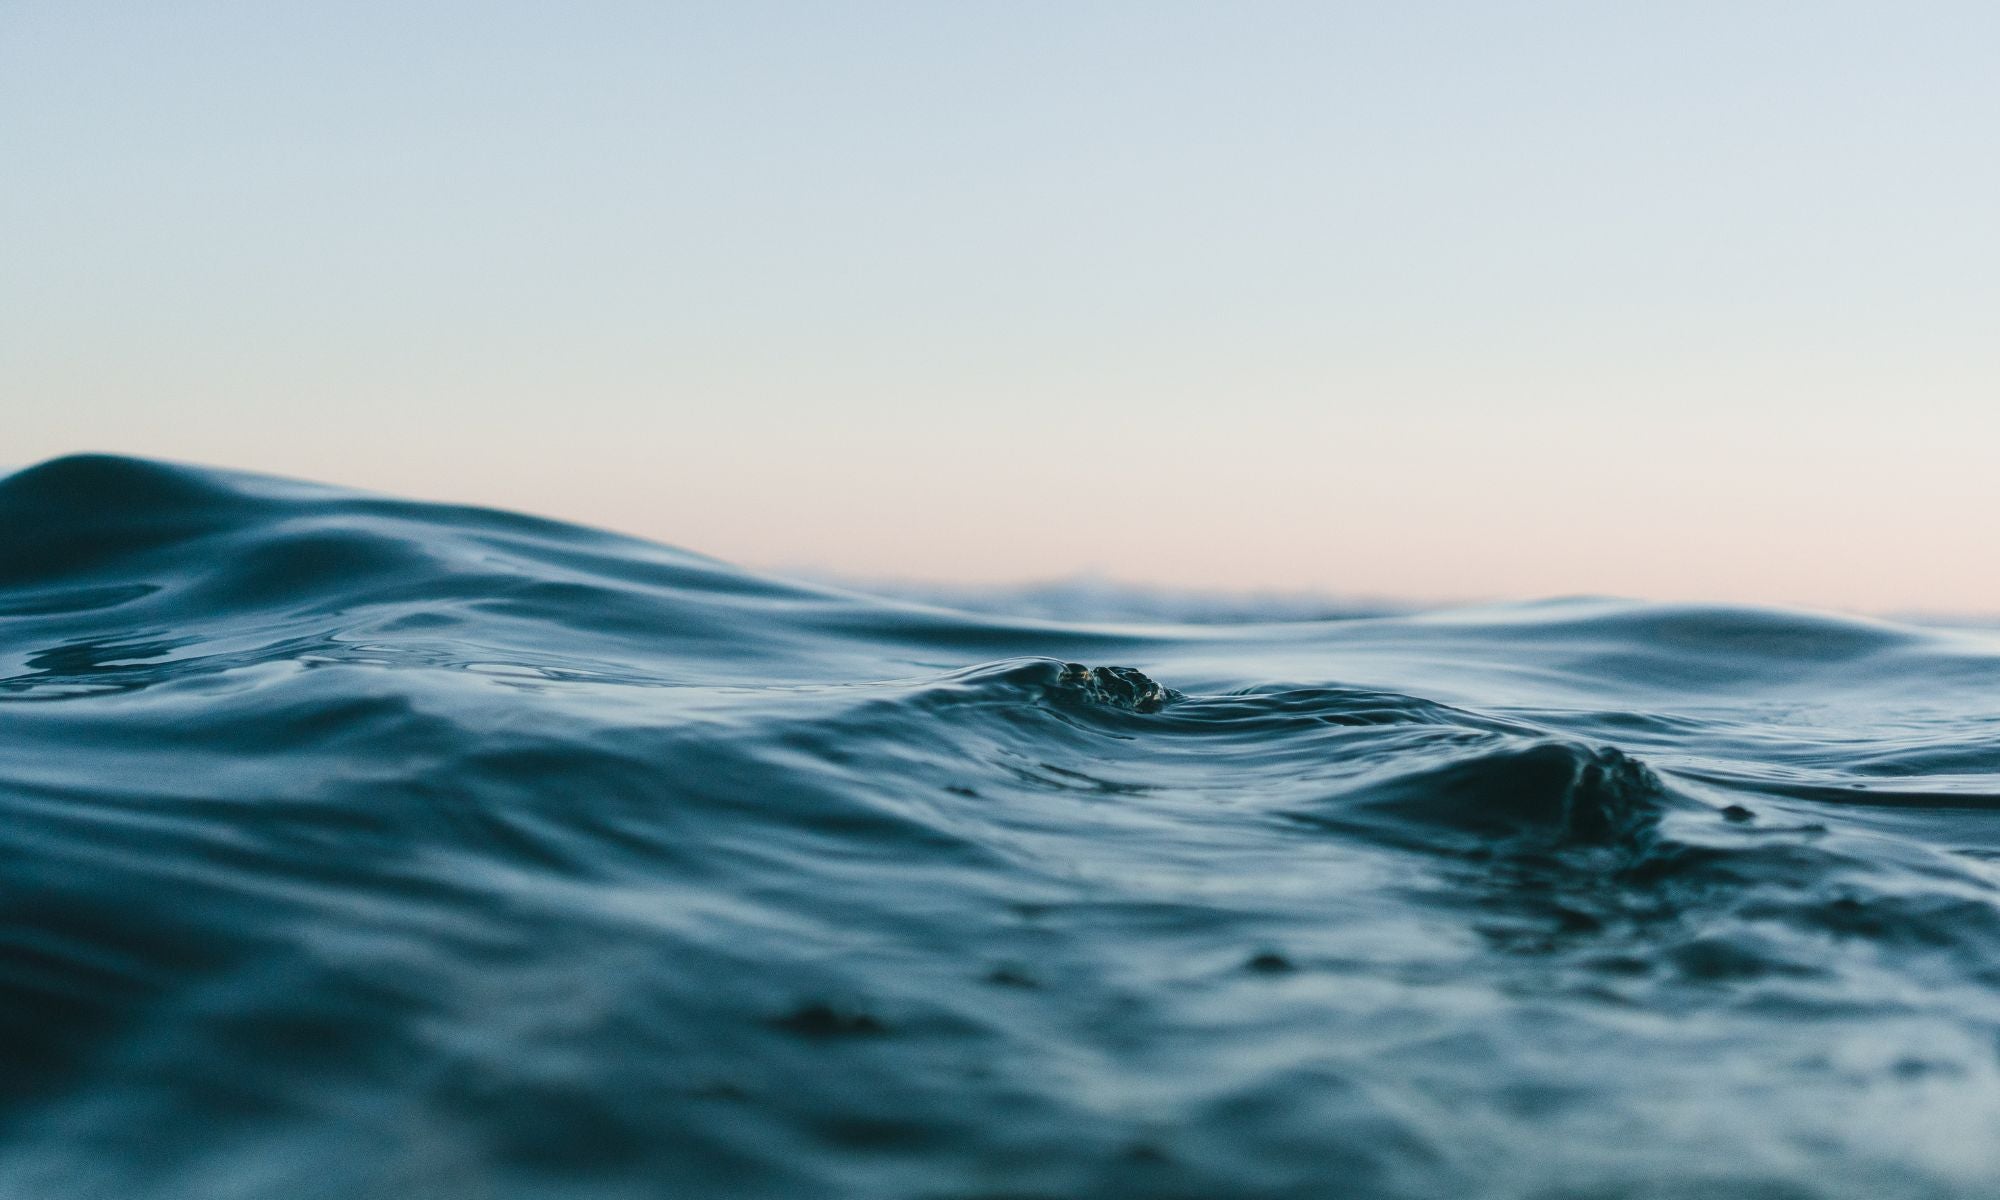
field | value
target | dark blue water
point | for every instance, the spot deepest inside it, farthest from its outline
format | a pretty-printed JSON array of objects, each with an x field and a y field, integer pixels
[{"x": 352, "y": 847}]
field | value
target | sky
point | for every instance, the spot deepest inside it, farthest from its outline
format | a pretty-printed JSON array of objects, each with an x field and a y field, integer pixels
[{"x": 1440, "y": 301}]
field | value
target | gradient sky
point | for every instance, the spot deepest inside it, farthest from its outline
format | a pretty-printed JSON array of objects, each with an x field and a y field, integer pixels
[{"x": 1436, "y": 300}]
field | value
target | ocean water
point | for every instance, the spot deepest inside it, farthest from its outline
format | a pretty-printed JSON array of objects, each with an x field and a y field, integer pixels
[{"x": 354, "y": 847}]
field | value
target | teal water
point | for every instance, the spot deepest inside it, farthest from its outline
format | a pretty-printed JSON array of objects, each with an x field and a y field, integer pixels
[{"x": 354, "y": 847}]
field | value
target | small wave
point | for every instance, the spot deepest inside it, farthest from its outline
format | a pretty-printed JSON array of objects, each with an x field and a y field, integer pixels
[
  {"x": 1540, "y": 790},
  {"x": 361, "y": 847}
]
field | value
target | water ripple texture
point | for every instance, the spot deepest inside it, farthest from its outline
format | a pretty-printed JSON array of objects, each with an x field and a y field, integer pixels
[{"x": 354, "y": 847}]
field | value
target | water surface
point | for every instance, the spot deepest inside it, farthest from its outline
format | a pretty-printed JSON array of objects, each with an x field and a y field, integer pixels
[{"x": 356, "y": 847}]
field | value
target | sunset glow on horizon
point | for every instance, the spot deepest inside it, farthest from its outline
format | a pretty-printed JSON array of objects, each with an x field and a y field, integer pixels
[{"x": 1439, "y": 303}]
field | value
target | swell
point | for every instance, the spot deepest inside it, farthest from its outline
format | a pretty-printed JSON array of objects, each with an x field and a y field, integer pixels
[{"x": 361, "y": 847}]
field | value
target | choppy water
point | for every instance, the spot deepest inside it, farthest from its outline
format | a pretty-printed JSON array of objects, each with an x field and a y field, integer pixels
[{"x": 352, "y": 847}]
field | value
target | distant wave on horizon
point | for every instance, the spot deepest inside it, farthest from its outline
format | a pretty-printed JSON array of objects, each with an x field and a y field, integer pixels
[
  {"x": 360, "y": 847},
  {"x": 1092, "y": 597}
]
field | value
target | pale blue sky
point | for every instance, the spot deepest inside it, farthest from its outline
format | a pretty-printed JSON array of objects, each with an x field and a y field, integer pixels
[{"x": 1679, "y": 300}]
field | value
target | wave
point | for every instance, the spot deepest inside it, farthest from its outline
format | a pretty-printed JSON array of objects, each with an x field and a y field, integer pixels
[{"x": 361, "y": 847}]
